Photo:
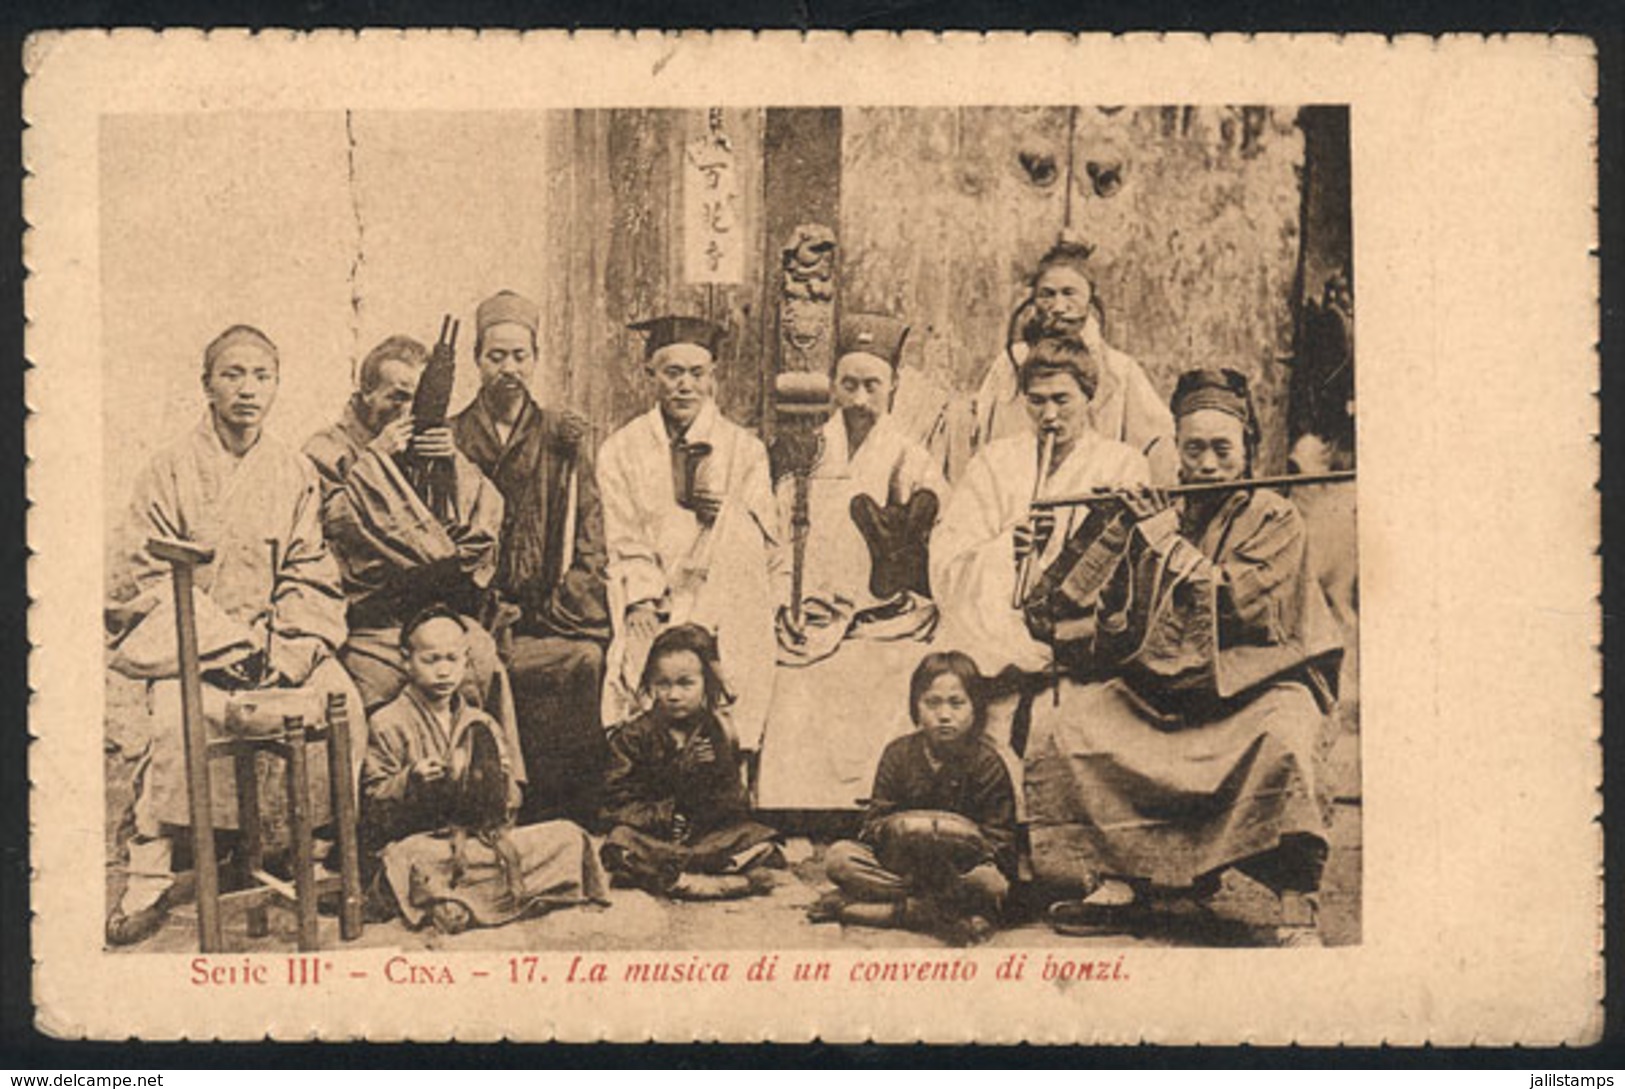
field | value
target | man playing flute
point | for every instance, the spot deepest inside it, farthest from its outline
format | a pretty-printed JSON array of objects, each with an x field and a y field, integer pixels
[
  {"x": 269, "y": 606},
  {"x": 1201, "y": 663},
  {"x": 989, "y": 534}
]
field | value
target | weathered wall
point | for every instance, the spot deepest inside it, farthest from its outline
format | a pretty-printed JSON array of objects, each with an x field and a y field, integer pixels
[
  {"x": 615, "y": 255},
  {"x": 328, "y": 231},
  {"x": 333, "y": 230},
  {"x": 206, "y": 221},
  {"x": 1196, "y": 250}
]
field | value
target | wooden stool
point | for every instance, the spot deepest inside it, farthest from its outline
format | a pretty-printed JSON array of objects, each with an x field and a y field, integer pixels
[
  {"x": 289, "y": 744},
  {"x": 263, "y": 888}
]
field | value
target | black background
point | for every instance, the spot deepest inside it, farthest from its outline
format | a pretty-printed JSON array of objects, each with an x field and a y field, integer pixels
[{"x": 21, "y": 1047}]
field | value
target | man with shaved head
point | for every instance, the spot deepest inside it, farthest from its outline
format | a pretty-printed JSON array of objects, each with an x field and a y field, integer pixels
[{"x": 269, "y": 606}]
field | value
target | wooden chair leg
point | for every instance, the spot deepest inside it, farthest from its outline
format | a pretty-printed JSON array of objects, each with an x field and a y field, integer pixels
[
  {"x": 195, "y": 730},
  {"x": 301, "y": 834},
  {"x": 252, "y": 831},
  {"x": 341, "y": 785}
]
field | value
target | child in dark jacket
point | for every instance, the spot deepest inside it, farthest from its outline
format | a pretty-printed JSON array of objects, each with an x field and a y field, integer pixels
[
  {"x": 938, "y": 845},
  {"x": 673, "y": 794}
]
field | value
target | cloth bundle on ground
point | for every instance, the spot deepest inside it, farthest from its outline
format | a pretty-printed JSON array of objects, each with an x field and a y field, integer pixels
[{"x": 556, "y": 865}]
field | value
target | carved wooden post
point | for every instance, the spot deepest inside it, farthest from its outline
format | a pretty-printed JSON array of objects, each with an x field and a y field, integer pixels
[{"x": 801, "y": 190}]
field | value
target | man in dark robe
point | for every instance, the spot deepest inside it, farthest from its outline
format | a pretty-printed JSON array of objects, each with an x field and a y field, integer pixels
[
  {"x": 1201, "y": 662},
  {"x": 550, "y": 567},
  {"x": 397, "y": 554}
]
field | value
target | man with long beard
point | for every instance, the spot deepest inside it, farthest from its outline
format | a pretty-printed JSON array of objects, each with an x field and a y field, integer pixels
[
  {"x": 872, "y": 500},
  {"x": 1125, "y": 406},
  {"x": 551, "y": 563},
  {"x": 693, "y": 529}
]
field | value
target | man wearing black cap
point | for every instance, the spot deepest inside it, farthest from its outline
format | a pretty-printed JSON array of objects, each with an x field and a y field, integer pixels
[
  {"x": 551, "y": 562},
  {"x": 872, "y": 500},
  {"x": 692, "y": 528},
  {"x": 1206, "y": 663}
]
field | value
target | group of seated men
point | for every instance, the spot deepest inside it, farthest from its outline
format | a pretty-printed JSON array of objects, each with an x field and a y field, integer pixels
[{"x": 1118, "y": 699}]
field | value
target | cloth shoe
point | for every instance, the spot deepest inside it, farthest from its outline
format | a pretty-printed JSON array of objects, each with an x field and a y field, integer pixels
[
  {"x": 450, "y": 916},
  {"x": 827, "y": 908},
  {"x": 885, "y": 915},
  {"x": 139, "y": 925}
]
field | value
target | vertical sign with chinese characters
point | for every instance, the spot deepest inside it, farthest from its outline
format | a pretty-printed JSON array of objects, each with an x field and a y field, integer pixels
[{"x": 713, "y": 240}]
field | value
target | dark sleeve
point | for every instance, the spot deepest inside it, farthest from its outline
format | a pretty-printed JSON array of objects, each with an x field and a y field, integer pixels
[
  {"x": 1068, "y": 600},
  {"x": 887, "y": 796},
  {"x": 993, "y": 808},
  {"x": 579, "y": 603},
  {"x": 714, "y": 794},
  {"x": 1256, "y": 578},
  {"x": 630, "y": 797}
]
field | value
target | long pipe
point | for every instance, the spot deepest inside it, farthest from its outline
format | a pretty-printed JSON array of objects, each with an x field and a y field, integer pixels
[
  {"x": 1341, "y": 476},
  {"x": 1024, "y": 573}
]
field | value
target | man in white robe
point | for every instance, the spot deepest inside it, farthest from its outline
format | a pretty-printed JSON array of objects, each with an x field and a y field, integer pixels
[
  {"x": 270, "y": 607},
  {"x": 1125, "y": 405},
  {"x": 692, "y": 530},
  {"x": 842, "y": 688},
  {"x": 989, "y": 527}
]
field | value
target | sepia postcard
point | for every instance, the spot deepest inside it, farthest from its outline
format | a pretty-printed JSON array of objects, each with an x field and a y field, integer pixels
[{"x": 900, "y": 537}]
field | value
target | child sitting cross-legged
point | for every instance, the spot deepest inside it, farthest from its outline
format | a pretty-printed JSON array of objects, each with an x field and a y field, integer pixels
[
  {"x": 438, "y": 796},
  {"x": 673, "y": 793},
  {"x": 938, "y": 845}
]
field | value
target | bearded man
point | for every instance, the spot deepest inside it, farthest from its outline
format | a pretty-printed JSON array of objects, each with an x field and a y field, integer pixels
[
  {"x": 693, "y": 529},
  {"x": 872, "y": 496},
  {"x": 1125, "y": 406},
  {"x": 550, "y": 567}
]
